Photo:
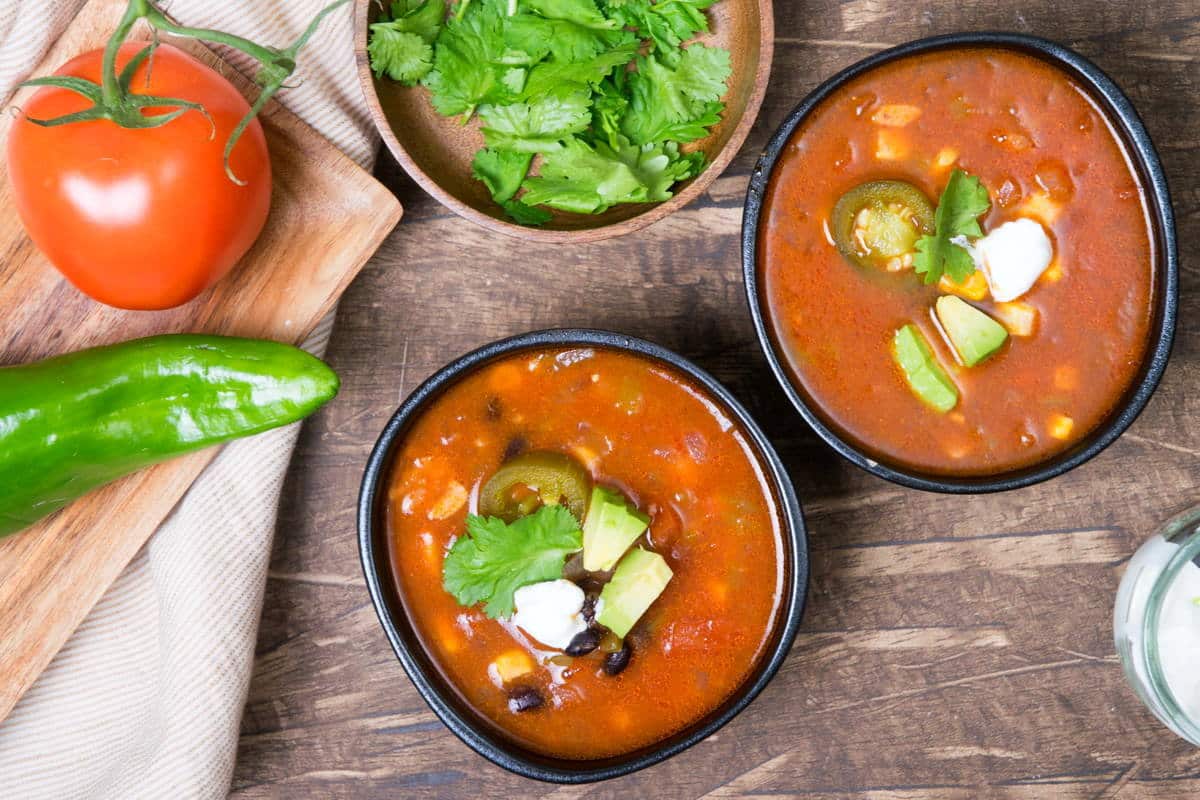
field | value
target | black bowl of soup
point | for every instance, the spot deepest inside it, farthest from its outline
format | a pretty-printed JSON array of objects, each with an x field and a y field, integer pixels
[
  {"x": 584, "y": 552},
  {"x": 960, "y": 259}
]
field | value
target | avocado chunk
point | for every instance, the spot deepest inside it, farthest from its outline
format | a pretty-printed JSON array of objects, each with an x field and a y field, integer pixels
[
  {"x": 921, "y": 369},
  {"x": 974, "y": 334},
  {"x": 639, "y": 580},
  {"x": 609, "y": 528}
]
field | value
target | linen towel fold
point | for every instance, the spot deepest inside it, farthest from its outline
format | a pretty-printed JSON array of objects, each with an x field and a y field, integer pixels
[{"x": 145, "y": 699}]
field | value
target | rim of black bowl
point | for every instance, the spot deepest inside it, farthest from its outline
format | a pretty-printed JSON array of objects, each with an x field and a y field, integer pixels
[
  {"x": 1128, "y": 125},
  {"x": 439, "y": 694}
]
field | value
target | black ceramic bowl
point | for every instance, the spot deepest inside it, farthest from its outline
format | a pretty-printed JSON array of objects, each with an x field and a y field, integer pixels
[
  {"x": 1128, "y": 126},
  {"x": 482, "y": 736}
]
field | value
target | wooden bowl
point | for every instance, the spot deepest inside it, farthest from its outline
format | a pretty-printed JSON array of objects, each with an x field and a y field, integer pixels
[{"x": 437, "y": 151}]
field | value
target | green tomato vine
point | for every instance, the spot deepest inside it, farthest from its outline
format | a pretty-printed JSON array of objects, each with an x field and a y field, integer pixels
[{"x": 113, "y": 99}]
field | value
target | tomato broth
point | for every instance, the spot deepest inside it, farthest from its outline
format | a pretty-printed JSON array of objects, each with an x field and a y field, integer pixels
[
  {"x": 641, "y": 428},
  {"x": 1044, "y": 150}
]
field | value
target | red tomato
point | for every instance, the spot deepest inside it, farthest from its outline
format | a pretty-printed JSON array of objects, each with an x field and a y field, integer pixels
[{"x": 141, "y": 218}]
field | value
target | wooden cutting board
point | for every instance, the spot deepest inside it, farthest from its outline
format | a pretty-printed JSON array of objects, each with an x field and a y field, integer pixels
[{"x": 327, "y": 218}]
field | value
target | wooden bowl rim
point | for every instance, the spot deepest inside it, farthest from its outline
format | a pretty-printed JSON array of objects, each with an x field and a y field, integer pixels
[{"x": 766, "y": 49}]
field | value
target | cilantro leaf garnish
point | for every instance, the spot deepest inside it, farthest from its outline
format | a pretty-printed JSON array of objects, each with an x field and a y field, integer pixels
[
  {"x": 665, "y": 102},
  {"x": 963, "y": 201},
  {"x": 464, "y": 59},
  {"x": 562, "y": 39},
  {"x": 422, "y": 17},
  {"x": 538, "y": 126},
  {"x": 402, "y": 56},
  {"x": 667, "y": 23},
  {"x": 580, "y": 12},
  {"x": 497, "y": 558},
  {"x": 501, "y": 171},
  {"x": 524, "y": 214},
  {"x": 549, "y": 76},
  {"x": 589, "y": 180}
]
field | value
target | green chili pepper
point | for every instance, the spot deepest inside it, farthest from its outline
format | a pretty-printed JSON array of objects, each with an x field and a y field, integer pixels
[
  {"x": 550, "y": 478},
  {"x": 876, "y": 224},
  {"x": 76, "y": 422}
]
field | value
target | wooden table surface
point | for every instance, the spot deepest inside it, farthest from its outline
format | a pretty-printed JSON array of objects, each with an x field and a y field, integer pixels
[{"x": 954, "y": 647}]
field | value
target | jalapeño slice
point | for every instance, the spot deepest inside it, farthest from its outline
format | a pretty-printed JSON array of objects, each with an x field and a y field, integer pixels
[
  {"x": 876, "y": 225},
  {"x": 531, "y": 480}
]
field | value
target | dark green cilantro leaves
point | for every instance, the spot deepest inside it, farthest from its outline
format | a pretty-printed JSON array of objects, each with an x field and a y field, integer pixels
[
  {"x": 667, "y": 23},
  {"x": 497, "y": 558},
  {"x": 402, "y": 47},
  {"x": 583, "y": 103},
  {"x": 537, "y": 126},
  {"x": 676, "y": 103},
  {"x": 588, "y": 180},
  {"x": 963, "y": 201},
  {"x": 501, "y": 171},
  {"x": 465, "y": 59},
  {"x": 403, "y": 57}
]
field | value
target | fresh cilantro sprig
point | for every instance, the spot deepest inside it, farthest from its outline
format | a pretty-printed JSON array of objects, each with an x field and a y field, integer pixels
[
  {"x": 401, "y": 46},
  {"x": 963, "y": 201},
  {"x": 593, "y": 97},
  {"x": 497, "y": 558}
]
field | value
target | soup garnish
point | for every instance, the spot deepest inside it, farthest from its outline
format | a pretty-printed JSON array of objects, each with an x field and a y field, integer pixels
[
  {"x": 587, "y": 548},
  {"x": 521, "y": 563},
  {"x": 982, "y": 333}
]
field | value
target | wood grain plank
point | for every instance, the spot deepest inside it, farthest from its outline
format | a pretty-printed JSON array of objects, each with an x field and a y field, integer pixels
[{"x": 327, "y": 217}]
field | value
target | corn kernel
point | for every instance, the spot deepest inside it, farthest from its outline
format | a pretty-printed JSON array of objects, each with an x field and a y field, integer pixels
[
  {"x": 891, "y": 145},
  {"x": 1041, "y": 207},
  {"x": 973, "y": 288},
  {"x": 896, "y": 115},
  {"x": 1061, "y": 426},
  {"x": 1053, "y": 273},
  {"x": 510, "y": 665},
  {"x": 945, "y": 159},
  {"x": 1019, "y": 318}
]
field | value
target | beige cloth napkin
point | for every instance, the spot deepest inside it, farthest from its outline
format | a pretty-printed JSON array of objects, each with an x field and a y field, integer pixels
[{"x": 145, "y": 699}]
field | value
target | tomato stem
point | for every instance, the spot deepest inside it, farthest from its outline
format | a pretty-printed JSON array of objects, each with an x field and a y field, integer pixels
[{"x": 114, "y": 101}]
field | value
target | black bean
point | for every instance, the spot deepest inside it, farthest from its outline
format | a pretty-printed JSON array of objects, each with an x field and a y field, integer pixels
[
  {"x": 524, "y": 698},
  {"x": 589, "y": 611},
  {"x": 516, "y": 446},
  {"x": 615, "y": 663},
  {"x": 583, "y": 643}
]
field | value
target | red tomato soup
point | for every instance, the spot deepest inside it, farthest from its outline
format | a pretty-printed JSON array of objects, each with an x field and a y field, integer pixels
[
  {"x": 621, "y": 438},
  {"x": 1048, "y": 317}
]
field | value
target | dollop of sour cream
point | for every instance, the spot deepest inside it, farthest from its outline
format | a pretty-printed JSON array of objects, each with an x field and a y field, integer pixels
[
  {"x": 550, "y": 611},
  {"x": 1012, "y": 257}
]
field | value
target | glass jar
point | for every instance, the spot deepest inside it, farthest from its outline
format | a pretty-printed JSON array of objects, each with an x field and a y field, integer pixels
[{"x": 1156, "y": 624}]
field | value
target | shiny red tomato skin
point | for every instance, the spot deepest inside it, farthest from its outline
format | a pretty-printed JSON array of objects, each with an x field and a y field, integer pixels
[{"x": 141, "y": 218}]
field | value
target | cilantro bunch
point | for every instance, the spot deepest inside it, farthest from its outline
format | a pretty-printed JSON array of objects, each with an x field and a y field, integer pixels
[{"x": 604, "y": 93}]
